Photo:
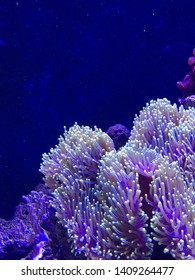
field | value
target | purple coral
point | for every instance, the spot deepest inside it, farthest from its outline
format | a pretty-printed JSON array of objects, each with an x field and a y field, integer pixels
[
  {"x": 116, "y": 195},
  {"x": 103, "y": 220},
  {"x": 34, "y": 232},
  {"x": 106, "y": 198},
  {"x": 187, "y": 86},
  {"x": 164, "y": 129},
  {"x": 25, "y": 232},
  {"x": 119, "y": 134}
]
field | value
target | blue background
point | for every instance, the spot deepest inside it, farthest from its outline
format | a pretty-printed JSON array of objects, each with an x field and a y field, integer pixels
[{"x": 92, "y": 62}]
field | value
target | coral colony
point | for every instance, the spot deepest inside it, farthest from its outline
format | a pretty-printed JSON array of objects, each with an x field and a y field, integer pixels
[{"x": 114, "y": 195}]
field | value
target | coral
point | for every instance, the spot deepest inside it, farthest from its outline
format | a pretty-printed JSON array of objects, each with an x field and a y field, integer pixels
[
  {"x": 187, "y": 86},
  {"x": 114, "y": 195},
  {"x": 109, "y": 200},
  {"x": 34, "y": 232},
  {"x": 169, "y": 131},
  {"x": 125, "y": 221},
  {"x": 76, "y": 157},
  {"x": 187, "y": 102},
  {"x": 24, "y": 234},
  {"x": 85, "y": 203},
  {"x": 112, "y": 203},
  {"x": 71, "y": 169},
  {"x": 173, "y": 221},
  {"x": 119, "y": 134}
]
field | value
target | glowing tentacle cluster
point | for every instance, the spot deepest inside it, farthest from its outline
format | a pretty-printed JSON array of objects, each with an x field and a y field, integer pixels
[
  {"x": 96, "y": 197},
  {"x": 164, "y": 128},
  {"x": 101, "y": 195}
]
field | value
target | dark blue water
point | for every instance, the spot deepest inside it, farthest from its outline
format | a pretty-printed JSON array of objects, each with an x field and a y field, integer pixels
[{"x": 91, "y": 62}]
